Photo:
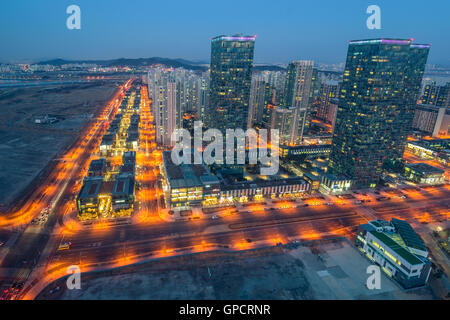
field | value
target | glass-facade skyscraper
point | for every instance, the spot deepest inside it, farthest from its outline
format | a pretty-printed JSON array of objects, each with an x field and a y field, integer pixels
[
  {"x": 297, "y": 92},
  {"x": 230, "y": 81},
  {"x": 380, "y": 87}
]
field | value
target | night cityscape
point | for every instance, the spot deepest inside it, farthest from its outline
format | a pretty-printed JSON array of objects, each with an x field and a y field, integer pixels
[{"x": 171, "y": 156}]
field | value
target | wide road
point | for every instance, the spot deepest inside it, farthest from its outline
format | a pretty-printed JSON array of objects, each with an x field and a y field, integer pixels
[
  {"x": 57, "y": 194},
  {"x": 113, "y": 242}
]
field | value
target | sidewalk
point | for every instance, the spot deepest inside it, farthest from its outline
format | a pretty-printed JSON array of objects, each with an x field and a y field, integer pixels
[{"x": 7, "y": 246}]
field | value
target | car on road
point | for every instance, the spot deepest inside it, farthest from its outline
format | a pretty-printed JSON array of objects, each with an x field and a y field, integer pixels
[
  {"x": 54, "y": 290},
  {"x": 64, "y": 246},
  {"x": 215, "y": 217}
]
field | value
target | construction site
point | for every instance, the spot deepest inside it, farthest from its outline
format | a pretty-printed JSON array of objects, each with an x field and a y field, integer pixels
[
  {"x": 31, "y": 147},
  {"x": 321, "y": 269}
]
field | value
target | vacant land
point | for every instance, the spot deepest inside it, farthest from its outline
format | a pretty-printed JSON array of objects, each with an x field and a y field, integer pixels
[
  {"x": 318, "y": 271},
  {"x": 27, "y": 147}
]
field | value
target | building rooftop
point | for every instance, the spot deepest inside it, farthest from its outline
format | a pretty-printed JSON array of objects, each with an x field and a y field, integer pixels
[
  {"x": 107, "y": 139},
  {"x": 408, "y": 235},
  {"x": 311, "y": 176},
  {"x": 400, "y": 237},
  {"x": 132, "y": 136},
  {"x": 91, "y": 188},
  {"x": 261, "y": 183},
  {"x": 433, "y": 145},
  {"x": 106, "y": 187},
  {"x": 186, "y": 175},
  {"x": 97, "y": 165},
  {"x": 127, "y": 169},
  {"x": 397, "y": 248},
  {"x": 424, "y": 168},
  {"x": 123, "y": 186},
  {"x": 129, "y": 157},
  {"x": 336, "y": 177},
  {"x": 236, "y": 37},
  {"x": 307, "y": 147}
]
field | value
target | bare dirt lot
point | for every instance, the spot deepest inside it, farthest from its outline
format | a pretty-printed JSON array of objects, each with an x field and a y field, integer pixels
[
  {"x": 332, "y": 270},
  {"x": 27, "y": 147}
]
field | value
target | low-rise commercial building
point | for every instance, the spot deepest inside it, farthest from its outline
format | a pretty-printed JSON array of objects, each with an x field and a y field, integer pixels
[
  {"x": 132, "y": 141},
  {"x": 187, "y": 185},
  {"x": 87, "y": 200},
  {"x": 429, "y": 149},
  {"x": 123, "y": 196},
  {"x": 307, "y": 150},
  {"x": 335, "y": 183},
  {"x": 106, "y": 144},
  {"x": 424, "y": 173},
  {"x": 313, "y": 180},
  {"x": 129, "y": 157},
  {"x": 258, "y": 190},
  {"x": 397, "y": 249},
  {"x": 97, "y": 167}
]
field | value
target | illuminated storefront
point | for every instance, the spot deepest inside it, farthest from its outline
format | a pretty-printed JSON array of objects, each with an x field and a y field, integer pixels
[
  {"x": 335, "y": 184},
  {"x": 424, "y": 173}
]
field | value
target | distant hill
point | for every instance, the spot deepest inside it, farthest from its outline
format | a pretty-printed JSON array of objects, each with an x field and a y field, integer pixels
[
  {"x": 268, "y": 68},
  {"x": 174, "y": 63}
]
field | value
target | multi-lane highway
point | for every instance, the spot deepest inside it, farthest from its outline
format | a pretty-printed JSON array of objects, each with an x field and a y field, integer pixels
[
  {"x": 114, "y": 245},
  {"x": 261, "y": 223}
]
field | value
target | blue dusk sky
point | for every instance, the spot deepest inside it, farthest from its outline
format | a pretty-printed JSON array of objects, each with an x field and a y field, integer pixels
[{"x": 32, "y": 30}]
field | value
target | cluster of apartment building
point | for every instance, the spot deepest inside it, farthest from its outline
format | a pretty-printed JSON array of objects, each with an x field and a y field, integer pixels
[{"x": 176, "y": 93}]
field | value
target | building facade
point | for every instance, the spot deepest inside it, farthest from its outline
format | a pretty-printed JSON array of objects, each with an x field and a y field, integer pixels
[
  {"x": 230, "y": 81},
  {"x": 424, "y": 173},
  {"x": 432, "y": 120},
  {"x": 436, "y": 95},
  {"x": 381, "y": 84},
  {"x": 297, "y": 92},
  {"x": 397, "y": 249}
]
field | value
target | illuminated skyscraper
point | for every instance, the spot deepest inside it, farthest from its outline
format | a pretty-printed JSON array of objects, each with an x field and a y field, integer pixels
[
  {"x": 230, "y": 81},
  {"x": 381, "y": 84},
  {"x": 297, "y": 92},
  {"x": 203, "y": 96}
]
